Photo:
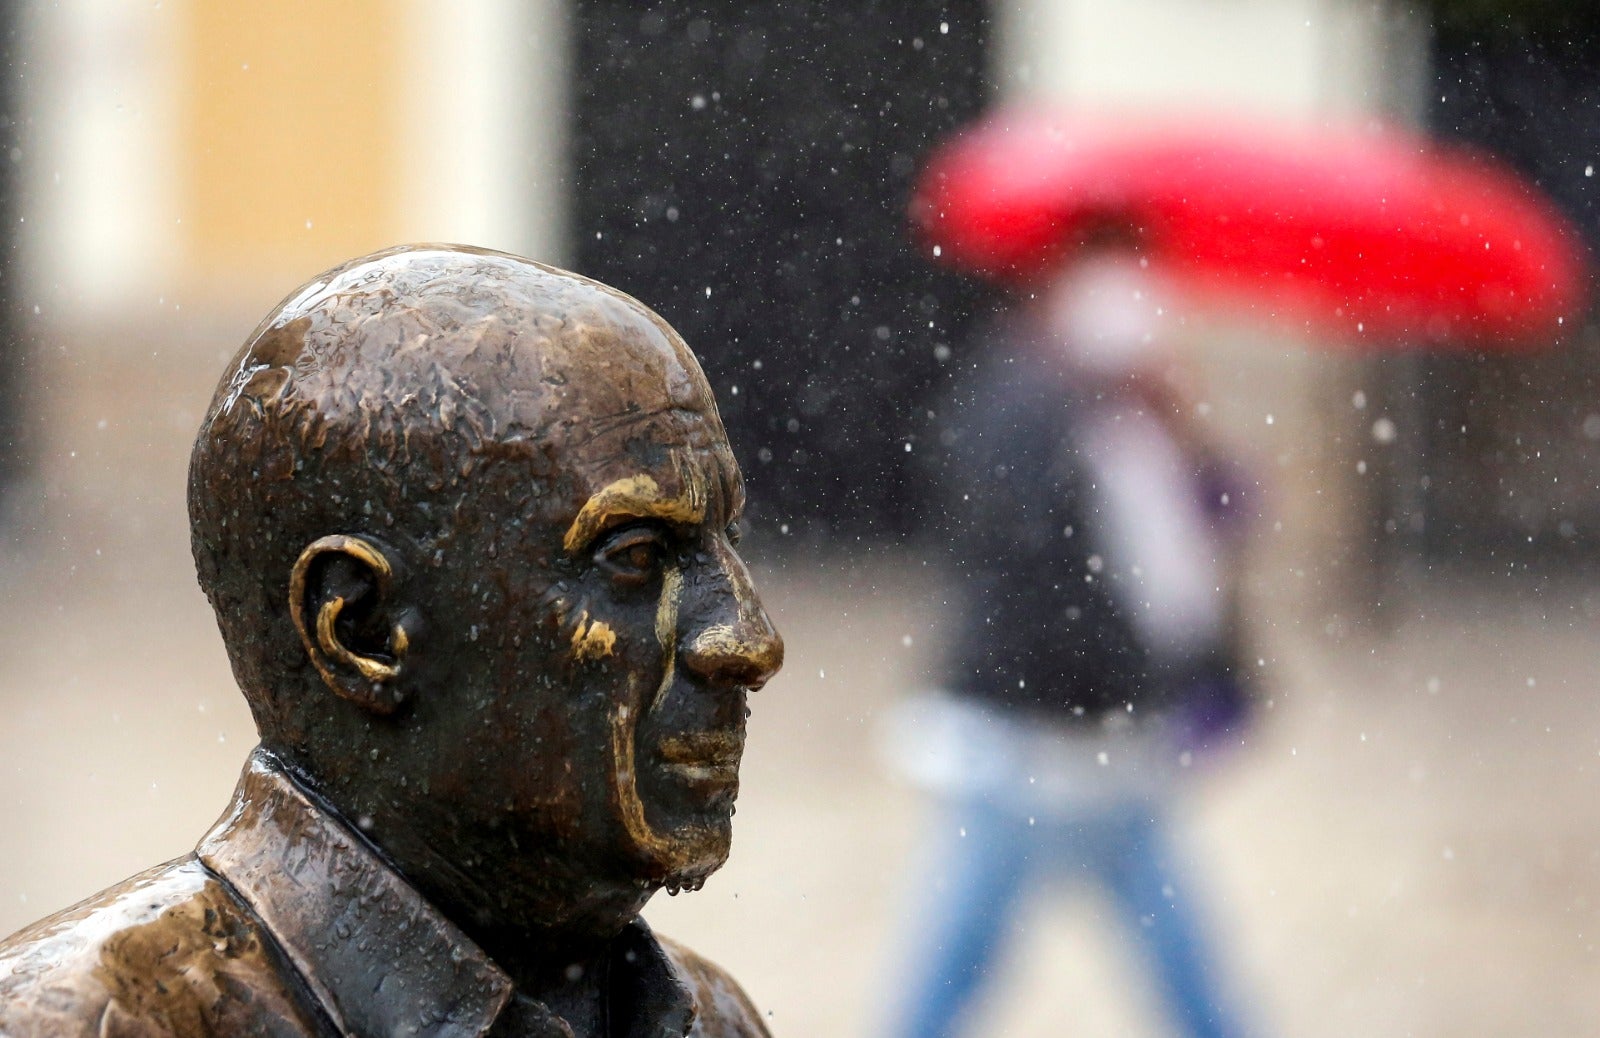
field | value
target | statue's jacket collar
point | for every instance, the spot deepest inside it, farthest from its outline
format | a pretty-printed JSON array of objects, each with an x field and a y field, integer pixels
[{"x": 375, "y": 955}]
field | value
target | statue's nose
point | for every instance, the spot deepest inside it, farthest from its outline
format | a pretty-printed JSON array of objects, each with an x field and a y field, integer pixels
[
  {"x": 747, "y": 652},
  {"x": 737, "y": 643}
]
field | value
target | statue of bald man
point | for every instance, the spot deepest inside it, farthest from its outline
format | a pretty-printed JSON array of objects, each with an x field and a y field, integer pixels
[{"x": 468, "y": 526}]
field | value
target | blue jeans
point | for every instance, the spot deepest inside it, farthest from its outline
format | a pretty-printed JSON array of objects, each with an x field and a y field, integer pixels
[{"x": 988, "y": 858}]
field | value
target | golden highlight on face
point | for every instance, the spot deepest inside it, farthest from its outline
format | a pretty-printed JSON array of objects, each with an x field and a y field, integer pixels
[
  {"x": 672, "y": 853},
  {"x": 592, "y": 641},
  {"x": 667, "y": 630}
]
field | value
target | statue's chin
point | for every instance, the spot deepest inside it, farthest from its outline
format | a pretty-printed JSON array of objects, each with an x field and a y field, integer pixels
[
  {"x": 685, "y": 834},
  {"x": 681, "y": 857}
]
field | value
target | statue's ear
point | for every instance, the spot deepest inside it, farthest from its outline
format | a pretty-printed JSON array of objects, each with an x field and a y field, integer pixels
[{"x": 342, "y": 599}]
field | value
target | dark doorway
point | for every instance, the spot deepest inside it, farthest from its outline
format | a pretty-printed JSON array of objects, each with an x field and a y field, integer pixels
[
  {"x": 1496, "y": 433},
  {"x": 744, "y": 169}
]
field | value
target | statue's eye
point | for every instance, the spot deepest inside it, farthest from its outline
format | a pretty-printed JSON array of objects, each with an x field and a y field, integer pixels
[
  {"x": 632, "y": 555},
  {"x": 735, "y": 531}
]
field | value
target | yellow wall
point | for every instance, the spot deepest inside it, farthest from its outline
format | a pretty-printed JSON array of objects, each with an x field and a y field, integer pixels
[{"x": 289, "y": 132}]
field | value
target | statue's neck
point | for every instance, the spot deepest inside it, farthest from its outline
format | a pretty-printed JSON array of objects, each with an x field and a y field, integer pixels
[{"x": 536, "y": 934}]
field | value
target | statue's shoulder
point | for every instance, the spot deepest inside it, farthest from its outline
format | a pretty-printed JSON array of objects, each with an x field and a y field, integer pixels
[
  {"x": 725, "y": 1011},
  {"x": 170, "y": 951}
]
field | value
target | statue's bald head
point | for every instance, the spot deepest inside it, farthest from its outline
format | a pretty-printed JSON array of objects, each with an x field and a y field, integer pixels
[{"x": 380, "y": 397}]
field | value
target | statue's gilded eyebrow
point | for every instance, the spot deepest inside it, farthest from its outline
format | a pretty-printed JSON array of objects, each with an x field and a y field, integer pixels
[{"x": 634, "y": 497}]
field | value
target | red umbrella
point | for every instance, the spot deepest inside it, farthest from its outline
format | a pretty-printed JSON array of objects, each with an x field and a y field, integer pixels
[{"x": 1376, "y": 233}]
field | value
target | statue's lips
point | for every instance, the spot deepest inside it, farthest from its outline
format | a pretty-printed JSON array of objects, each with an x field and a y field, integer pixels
[{"x": 703, "y": 758}]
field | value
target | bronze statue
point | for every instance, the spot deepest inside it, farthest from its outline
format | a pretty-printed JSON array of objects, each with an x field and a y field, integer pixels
[{"x": 468, "y": 525}]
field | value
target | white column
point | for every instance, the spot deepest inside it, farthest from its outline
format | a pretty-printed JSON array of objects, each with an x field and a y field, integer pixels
[
  {"x": 483, "y": 125},
  {"x": 1285, "y": 58},
  {"x": 100, "y": 204}
]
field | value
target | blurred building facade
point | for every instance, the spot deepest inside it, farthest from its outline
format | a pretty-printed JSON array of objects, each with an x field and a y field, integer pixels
[
  {"x": 208, "y": 151},
  {"x": 188, "y": 160}
]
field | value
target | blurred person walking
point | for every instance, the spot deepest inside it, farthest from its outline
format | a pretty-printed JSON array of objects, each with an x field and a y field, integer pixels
[{"x": 1093, "y": 528}]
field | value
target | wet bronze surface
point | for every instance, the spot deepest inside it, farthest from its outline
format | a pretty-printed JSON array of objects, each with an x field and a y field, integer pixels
[{"x": 467, "y": 523}]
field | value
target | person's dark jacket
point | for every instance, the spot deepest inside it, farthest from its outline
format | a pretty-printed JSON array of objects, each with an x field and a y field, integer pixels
[{"x": 1040, "y": 627}]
